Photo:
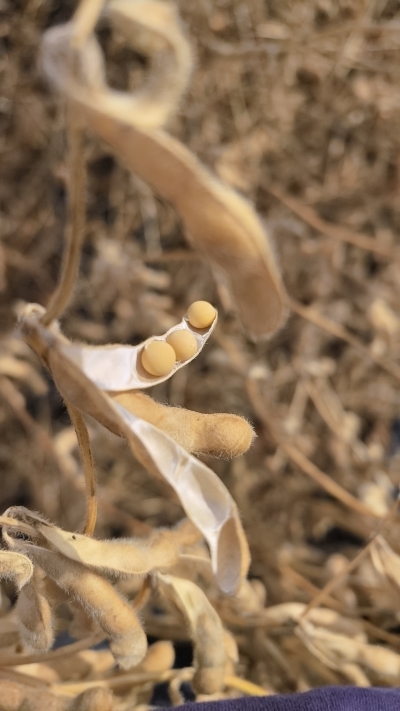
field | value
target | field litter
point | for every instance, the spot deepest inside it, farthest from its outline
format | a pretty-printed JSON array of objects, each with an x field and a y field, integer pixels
[{"x": 295, "y": 105}]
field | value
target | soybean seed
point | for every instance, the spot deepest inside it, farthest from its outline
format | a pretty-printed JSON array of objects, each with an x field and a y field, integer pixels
[
  {"x": 183, "y": 343},
  {"x": 201, "y": 314},
  {"x": 158, "y": 358}
]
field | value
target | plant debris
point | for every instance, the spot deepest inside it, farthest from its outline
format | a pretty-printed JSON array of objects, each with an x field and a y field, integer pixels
[{"x": 263, "y": 179}]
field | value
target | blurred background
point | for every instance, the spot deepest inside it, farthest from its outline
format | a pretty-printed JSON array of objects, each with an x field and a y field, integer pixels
[{"x": 296, "y": 104}]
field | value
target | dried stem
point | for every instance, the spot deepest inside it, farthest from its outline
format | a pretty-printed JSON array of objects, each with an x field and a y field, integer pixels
[
  {"x": 12, "y": 660},
  {"x": 138, "y": 678},
  {"x": 85, "y": 20},
  {"x": 308, "y": 467},
  {"x": 338, "y": 232},
  {"x": 335, "y": 329},
  {"x": 324, "y": 480},
  {"x": 246, "y": 687},
  {"x": 334, "y": 582},
  {"x": 82, "y": 435},
  {"x": 76, "y": 220},
  {"x": 121, "y": 681}
]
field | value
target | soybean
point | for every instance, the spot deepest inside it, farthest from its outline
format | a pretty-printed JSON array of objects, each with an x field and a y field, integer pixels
[
  {"x": 184, "y": 344},
  {"x": 201, "y": 314},
  {"x": 158, "y": 358}
]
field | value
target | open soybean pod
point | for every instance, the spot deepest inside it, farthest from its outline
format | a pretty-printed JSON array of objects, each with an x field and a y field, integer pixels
[
  {"x": 117, "y": 368},
  {"x": 206, "y": 631},
  {"x": 204, "y": 498},
  {"x": 220, "y": 223},
  {"x": 218, "y": 435}
]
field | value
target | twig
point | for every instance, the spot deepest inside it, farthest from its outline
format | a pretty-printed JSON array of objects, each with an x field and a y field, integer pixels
[
  {"x": 325, "y": 481},
  {"x": 121, "y": 681},
  {"x": 309, "y": 588},
  {"x": 138, "y": 678},
  {"x": 332, "y": 584},
  {"x": 82, "y": 435},
  {"x": 21, "y": 678},
  {"x": 76, "y": 221},
  {"x": 343, "y": 234},
  {"x": 246, "y": 687},
  {"x": 311, "y": 314},
  {"x": 184, "y": 255},
  {"x": 85, "y": 20},
  {"x": 13, "y": 660}
]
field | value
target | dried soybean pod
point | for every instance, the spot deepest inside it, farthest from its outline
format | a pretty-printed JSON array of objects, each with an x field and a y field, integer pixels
[
  {"x": 160, "y": 657},
  {"x": 15, "y": 567},
  {"x": 119, "y": 557},
  {"x": 183, "y": 343},
  {"x": 158, "y": 358},
  {"x": 34, "y": 615},
  {"x": 95, "y": 699},
  {"x": 21, "y": 697},
  {"x": 206, "y": 631},
  {"x": 117, "y": 619},
  {"x": 201, "y": 314},
  {"x": 219, "y": 435}
]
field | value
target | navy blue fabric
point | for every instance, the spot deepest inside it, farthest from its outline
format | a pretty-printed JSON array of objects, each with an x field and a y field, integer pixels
[{"x": 328, "y": 698}]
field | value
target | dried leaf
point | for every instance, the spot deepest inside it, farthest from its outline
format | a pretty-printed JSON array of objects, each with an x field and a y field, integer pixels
[
  {"x": 206, "y": 631},
  {"x": 220, "y": 223},
  {"x": 203, "y": 496}
]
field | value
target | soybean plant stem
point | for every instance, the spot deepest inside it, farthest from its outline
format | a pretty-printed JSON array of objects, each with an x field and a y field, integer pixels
[
  {"x": 82, "y": 435},
  {"x": 76, "y": 220}
]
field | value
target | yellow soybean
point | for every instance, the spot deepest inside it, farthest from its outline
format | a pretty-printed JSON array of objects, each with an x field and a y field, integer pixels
[
  {"x": 201, "y": 314},
  {"x": 183, "y": 343},
  {"x": 158, "y": 358}
]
